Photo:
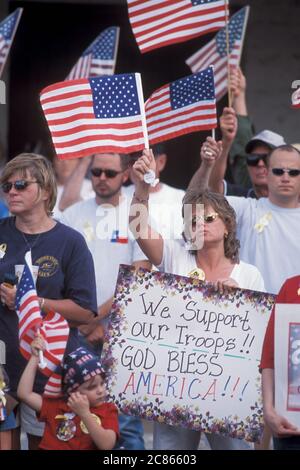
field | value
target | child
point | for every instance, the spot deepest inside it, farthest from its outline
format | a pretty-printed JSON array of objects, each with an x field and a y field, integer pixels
[
  {"x": 7, "y": 417},
  {"x": 80, "y": 419}
]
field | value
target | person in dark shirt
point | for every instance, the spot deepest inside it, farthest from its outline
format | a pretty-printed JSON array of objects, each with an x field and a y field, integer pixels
[{"x": 66, "y": 279}]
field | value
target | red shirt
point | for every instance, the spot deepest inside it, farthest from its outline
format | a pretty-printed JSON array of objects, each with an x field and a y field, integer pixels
[
  {"x": 288, "y": 294},
  {"x": 51, "y": 408}
]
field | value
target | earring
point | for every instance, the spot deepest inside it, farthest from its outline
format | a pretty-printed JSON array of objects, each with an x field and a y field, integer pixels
[{"x": 226, "y": 235}]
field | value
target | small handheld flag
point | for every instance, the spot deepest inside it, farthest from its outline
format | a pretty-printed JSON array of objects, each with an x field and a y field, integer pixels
[{"x": 184, "y": 106}]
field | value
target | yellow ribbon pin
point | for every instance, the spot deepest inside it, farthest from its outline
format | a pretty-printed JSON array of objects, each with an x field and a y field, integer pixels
[
  {"x": 197, "y": 273},
  {"x": 263, "y": 222}
]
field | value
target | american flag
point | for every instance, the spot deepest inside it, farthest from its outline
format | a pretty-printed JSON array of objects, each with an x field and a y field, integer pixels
[
  {"x": 215, "y": 52},
  {"x": 27, "y": 304},
  {"x": 8, "y": 29},
  {"x": 55, "y": 331},
  {"x": 96, "y": 115},
  {"x": 296, "y": 98},
  {"x": 99, "y": 58},
  {"x": 184, "y": 106},
  {"x": 158, "y": 23},
  {"x": 53, "y": 327}
]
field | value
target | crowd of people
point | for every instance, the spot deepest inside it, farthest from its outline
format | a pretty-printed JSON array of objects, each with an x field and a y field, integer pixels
[{"x": 249, "y": 186}]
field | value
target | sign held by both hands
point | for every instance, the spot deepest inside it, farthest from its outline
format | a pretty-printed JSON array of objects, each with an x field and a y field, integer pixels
[{"x": 180, "y": 353}]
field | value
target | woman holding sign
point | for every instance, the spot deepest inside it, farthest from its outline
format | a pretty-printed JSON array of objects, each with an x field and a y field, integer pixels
[{"x": 211, "y": 254}]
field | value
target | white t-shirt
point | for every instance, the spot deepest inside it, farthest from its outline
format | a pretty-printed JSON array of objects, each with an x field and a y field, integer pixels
[
  {"x": 178, "y": 260},
  {"x": 111, "y": 243},
  {"x": 86, "y": 192},
  {"x": 270, "y": 239},
  {"x": 165, "y": 208}
]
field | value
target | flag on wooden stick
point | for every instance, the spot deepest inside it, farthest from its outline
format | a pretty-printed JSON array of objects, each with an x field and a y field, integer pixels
[{"x": 215, "y": 52}]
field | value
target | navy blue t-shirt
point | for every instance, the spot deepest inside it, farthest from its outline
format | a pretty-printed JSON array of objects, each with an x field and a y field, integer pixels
[{"x": 66, "y": 271}]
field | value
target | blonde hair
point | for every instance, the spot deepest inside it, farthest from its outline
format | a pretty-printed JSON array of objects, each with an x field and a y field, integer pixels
[{"x": 39, "y": 168}]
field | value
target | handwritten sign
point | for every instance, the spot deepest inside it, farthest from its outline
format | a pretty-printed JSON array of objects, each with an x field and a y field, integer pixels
[
  {"x": 179, "y": 353},
  {"x": 287, "y": 362}
]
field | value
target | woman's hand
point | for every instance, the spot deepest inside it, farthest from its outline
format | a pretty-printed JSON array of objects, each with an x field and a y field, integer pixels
[
  {"x": 144, "y": 164},
  {"x": 8, "y": 296},
  {"x": 224, "y": 285},
  {"x": 210, "y": 151}
]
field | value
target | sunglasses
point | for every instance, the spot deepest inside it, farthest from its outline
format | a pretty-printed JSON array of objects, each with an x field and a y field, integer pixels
[
  {"x": 97, "y": 172},
  {"x": 208, "y": 219},
  {"x": 253, "y": 159},
  {"x": 19, "y": 185},
  {"x": 290, "y": 171}
]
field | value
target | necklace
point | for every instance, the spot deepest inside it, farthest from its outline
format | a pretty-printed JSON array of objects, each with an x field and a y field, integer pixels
[{"x": 30, "y": 246}]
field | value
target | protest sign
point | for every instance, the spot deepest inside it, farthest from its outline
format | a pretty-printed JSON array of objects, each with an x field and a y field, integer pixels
[
  {"x": 182, "y": 354},
  {"x": 287, "y": 361}
]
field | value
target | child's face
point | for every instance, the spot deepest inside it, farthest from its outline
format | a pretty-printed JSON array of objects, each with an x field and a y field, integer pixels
[{"x": 94, "y": 389}]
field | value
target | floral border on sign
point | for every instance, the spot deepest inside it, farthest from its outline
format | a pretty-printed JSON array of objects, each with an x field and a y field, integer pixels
[
  {"x": 129, "y": 280},
  {"x": 190, "y": 417}
]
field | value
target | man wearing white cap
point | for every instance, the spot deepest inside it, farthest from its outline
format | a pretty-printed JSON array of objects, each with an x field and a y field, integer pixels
[{"x": 268, "y": 228}]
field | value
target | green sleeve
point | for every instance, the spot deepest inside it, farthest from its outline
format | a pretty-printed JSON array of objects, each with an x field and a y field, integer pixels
[{"x": 237, "y": 155}]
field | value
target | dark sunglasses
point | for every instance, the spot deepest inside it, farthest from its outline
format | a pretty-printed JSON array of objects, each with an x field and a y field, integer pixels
[
  {"x": 253, "y": 159},
  {"x": 19, "y": 185},
  {"x": 290, "y": 171},
  {"x": 208, "y": 219},
  {"x": 97, "y": 172}
]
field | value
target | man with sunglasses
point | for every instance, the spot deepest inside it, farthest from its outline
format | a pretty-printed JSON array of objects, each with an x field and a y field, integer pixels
[
  {"x": 268, "y": 228},
  {"x": 103, "y": 221}
]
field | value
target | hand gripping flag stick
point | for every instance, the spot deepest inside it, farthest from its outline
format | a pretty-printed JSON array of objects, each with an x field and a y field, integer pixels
[
  {"x": 149, "y": 177},
  {"x": 28, "y": 259}
]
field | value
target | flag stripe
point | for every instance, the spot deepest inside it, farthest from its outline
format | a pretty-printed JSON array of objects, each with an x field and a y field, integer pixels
[
  {"x": 82, "y": 124},
  {"x": 160, "y": 23}
]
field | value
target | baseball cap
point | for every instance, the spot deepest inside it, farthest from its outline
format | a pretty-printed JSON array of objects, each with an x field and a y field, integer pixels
[
  {"x": 79, "y": 367},
  {"x": 269, "y": 138}
]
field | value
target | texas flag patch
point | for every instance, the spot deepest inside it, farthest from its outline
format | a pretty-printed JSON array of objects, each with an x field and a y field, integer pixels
[{"x": 115, "y": 238}]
